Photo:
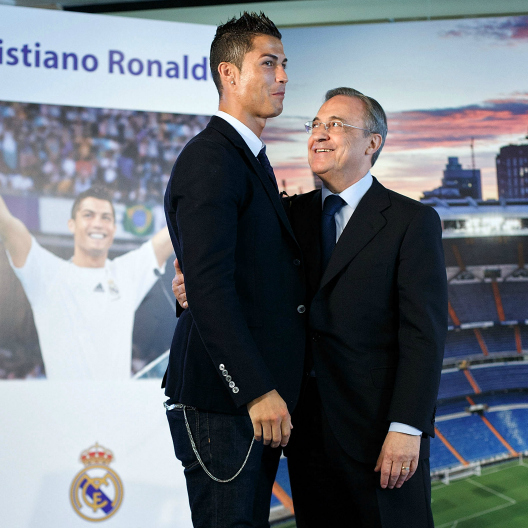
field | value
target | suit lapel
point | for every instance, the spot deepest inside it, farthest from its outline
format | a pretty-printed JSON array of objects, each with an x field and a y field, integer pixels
[
  {"x": 362, "y": 227},
  {"x": 234, "y": 137}
]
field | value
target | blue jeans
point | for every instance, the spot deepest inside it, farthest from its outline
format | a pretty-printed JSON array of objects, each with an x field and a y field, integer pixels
[{"x": 222, "y": 441}]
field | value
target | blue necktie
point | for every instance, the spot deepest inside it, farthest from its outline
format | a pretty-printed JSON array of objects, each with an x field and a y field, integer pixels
[
  {"x": 264, "y": 161},
  {"x": 332, "y": 205}
]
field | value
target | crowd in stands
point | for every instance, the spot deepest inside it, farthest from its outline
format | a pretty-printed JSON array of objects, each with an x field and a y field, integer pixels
[{"x": 62, "y": 151}]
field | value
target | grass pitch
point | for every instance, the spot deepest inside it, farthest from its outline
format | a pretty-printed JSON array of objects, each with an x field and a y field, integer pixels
[{"x": 496, "y": 499}]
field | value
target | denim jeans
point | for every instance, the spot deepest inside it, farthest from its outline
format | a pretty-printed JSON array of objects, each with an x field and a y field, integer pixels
[{"x": 222, "y": 441}]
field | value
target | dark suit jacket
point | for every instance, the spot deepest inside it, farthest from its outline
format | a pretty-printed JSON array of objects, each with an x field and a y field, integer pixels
[
  {"x": 378, "y": 317},
  {"x": 244, "y": 278}
]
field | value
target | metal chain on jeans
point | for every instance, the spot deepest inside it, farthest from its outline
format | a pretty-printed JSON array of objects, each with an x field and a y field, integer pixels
[{"x": 193, "y": 445}]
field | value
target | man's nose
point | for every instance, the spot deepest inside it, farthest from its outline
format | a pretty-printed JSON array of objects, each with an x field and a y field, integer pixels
[
  {"x": 320, "y": 133},
  {"x": 281, "y": 75}
]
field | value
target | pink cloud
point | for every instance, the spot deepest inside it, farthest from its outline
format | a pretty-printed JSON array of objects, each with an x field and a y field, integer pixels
[{"x": 448, "y": 127}]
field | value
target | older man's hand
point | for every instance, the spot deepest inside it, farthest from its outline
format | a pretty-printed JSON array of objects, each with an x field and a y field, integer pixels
[
  {"x": 178, "y": 286},
  {"x": 398, "y": 459}
]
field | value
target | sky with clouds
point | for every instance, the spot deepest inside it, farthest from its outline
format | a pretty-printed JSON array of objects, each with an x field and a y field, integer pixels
[{"x": 440, "y": 82}]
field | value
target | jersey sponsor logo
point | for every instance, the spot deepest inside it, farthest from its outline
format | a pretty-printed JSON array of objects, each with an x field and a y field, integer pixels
[
  {"x": 99, "y": 288},
  {"x": 96, "y": 492}
]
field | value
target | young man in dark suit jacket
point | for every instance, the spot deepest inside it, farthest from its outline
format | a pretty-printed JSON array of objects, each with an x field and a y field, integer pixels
[
  {"x": 236, "y": 360},
  {"x": 377, "y": 324}
]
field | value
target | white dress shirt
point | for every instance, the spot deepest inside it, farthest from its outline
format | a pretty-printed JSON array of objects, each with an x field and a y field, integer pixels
[
  {"x": 352, "y": 196},
  {"x": 254, "y": 143}
]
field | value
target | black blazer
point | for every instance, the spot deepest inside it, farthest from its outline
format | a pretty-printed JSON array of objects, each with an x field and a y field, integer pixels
[
  {"x": 378, "y": 317},
  {"x": 244, "y": 332}
]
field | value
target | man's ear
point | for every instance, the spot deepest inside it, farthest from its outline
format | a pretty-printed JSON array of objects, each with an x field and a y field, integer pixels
[
  {"x": 374, "y": 145},
  {"x": 71, "y": 225},
  {"x": 229, "y": 74}
]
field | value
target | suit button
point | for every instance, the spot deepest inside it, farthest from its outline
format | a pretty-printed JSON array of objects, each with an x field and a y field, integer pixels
[
  {"x": 231, "y": 384},
  {"x": 235, "y": 389},
  {"x": 296, "y": 262},
  {"x": 221, "y": 366},
  {"x": 301, "y": 308}
]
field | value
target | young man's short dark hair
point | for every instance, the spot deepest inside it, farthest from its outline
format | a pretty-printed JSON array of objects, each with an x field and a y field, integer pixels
[
  {"x": 101, "y": 193},
  {"x": 235, "y": 38}
]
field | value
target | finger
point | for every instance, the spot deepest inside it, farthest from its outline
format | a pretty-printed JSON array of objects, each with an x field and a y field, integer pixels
[
  {"x": 386, "y": 466},
  {"x": 177, "y": 268},
  {"x": 182, "y": 297},
  {"x": 394, "y": 474},
  {"x": 412, "y": 470},
  {"x": 175, "y": 287},
  {"x": 286, "y": 427},
  {"x": 266, "y": 433},
  {"x": 257, "y": 431},
  {"x": 404, "y": 472},
  {"x": 276, "y": 432}
]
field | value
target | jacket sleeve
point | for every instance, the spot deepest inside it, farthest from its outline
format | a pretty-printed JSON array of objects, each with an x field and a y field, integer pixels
[
  {"x": 422, "y": 305},
  {"x": 208, "y": 191}
]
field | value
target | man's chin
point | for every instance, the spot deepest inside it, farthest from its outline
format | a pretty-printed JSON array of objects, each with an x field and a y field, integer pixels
[{"x": 274, "y": 112}]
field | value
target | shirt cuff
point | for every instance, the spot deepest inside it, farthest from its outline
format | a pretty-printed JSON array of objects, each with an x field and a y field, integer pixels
[{"x": 402, "y": 428}]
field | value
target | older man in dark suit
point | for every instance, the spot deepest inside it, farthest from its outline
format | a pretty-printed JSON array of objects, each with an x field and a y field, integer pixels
[
  {"x": 377, "y": 323},
  {"x": 236, "y": 360}
]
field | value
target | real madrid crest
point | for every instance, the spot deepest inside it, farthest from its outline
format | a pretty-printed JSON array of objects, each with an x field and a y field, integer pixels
[{"x": 96, "y": 491}]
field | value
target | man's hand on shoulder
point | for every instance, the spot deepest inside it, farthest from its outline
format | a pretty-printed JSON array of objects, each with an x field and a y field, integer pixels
[
  {"x": 178, "y": 286},
  {"x": 271, "y": 419},
  {"x": 399, "y": 451}
]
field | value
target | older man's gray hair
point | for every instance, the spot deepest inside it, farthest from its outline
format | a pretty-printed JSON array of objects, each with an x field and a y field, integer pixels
[{"x": 375, "y": 118}]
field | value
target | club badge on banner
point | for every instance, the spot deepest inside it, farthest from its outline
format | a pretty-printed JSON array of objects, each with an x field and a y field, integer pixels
[{"x": 96, "y": 491}]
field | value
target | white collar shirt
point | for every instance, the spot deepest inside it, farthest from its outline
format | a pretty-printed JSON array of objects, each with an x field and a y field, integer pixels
[{"x": 254, "y": 143}]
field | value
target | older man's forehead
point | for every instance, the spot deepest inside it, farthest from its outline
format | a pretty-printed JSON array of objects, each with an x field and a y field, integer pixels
[{"x": 331, "y": 118}]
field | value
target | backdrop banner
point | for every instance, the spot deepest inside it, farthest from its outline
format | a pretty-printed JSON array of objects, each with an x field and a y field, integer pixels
[{"x": 91, "y": 100}]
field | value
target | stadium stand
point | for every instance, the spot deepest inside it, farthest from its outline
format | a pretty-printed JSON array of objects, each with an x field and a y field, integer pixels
[
  {"x": 452, "y": 384},
  {"x": 513, "y": 425},
  {"x": 471, "y": 438},
  {"x": 492, "y": 377},
  {"x": 461, "y": 343},
  {"x": 441, "y": 457},
  {"x": 473, "y": 302},
  {"x": 499, "y": 339},
  {"x": 524, "y": 335},
  {"x": 514, "y": 296},
  {"x": 502, "y": 398}
]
